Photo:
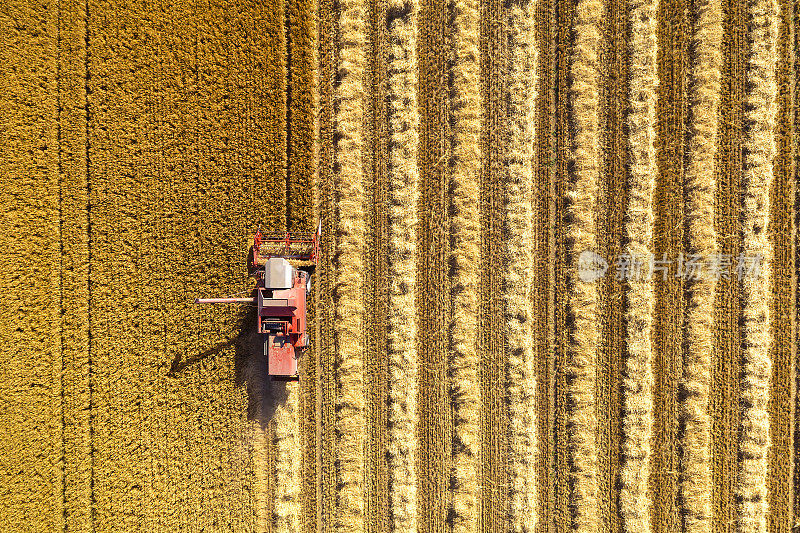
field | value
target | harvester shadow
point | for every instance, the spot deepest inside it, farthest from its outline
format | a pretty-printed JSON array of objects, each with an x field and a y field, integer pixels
[
  {"x": 179, "y": 365},
  {"x": 264, "y": 394}
]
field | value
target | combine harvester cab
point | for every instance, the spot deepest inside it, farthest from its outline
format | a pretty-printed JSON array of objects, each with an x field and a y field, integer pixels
[
  {"x": 281, "y": 303},
  {"x": 280, "y": 296}
]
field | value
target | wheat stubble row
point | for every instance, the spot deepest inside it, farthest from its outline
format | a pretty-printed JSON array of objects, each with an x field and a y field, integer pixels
[{"x": 612, "y": 404}]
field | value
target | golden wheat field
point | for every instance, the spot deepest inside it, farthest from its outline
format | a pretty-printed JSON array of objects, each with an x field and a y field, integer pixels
[{"x": 557, "y": 289}]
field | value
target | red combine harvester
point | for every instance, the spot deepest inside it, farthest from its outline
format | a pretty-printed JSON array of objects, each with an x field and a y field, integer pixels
[{"x": 279, "y": 296}]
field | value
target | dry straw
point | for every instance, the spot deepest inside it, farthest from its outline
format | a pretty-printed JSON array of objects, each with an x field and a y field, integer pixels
[
  {"x": 465, "y": 231},
  {"x": 759, "y": 144},
  {"x": 700, "y": 192},
  {"x": 263, "y": 478},
  {"x": 523, "y": 57},
  {"x": 638, "y": 381},
  {"x": 403, "y": 195},
  {"x": 287, "y": 463},
  {"x": 350, "y": 418},
  {"x": 583, "y": 233}
]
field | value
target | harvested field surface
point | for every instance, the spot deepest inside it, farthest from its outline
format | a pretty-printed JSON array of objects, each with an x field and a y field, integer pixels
[{"x": 557, "y": 289}]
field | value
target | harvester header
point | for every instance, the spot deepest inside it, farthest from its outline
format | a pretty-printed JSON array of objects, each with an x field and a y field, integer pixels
[{"x": 295, "y": 245}]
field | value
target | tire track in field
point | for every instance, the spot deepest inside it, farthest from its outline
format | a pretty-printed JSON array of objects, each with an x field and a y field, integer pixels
[
  {"x": 795, "y": 474},
  {"x": 543, "y": 289},
  {"x": 668, "y": 243},
  {"x": 519, "y": 250},
  {"x": 757, "y": 178},
  {"x": 494, "y": 419},
  {"x": 700, "y": 188},
  {"x": 403, "y": 199},
  {"x": 433, "y": 305},
  {"x": 782, "y": 308},
  {"x": 637, "y": 422},
  {"x": 562, "y": 520},
  {"x": 169, "y": 247},
  {"x": 612, "y": 205},
  {"x": 727, "y": 349}
]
